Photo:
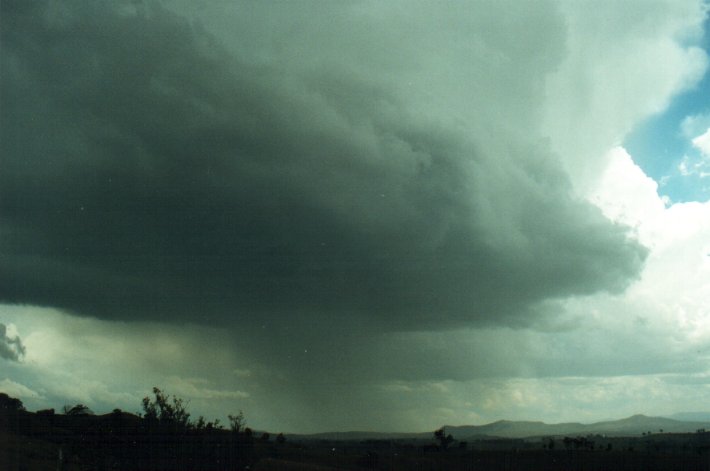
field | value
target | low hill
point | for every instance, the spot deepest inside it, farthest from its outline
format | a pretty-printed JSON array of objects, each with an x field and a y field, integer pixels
[{"x": 630, "y": 426}]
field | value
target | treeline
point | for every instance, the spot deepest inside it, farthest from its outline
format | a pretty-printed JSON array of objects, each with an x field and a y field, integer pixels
[{"x": 162, "y": 437}]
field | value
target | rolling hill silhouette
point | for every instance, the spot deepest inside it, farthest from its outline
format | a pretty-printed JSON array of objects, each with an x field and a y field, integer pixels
[{"x": 630, "y": 426}]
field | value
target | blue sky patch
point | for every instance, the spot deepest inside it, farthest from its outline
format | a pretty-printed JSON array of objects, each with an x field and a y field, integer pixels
[{"x": 662, "y": 146}]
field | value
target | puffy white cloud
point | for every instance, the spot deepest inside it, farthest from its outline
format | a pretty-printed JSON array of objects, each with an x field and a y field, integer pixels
[
  {"x": 628, "y": 195},
  {"x": 695, "y": 125},
  {"x": 702, "y": 142},
  {"x": 696, "y": 163},
  {"x": 672, "y": 296}
]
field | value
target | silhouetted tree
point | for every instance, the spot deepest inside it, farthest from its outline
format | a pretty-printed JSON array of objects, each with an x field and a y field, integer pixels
[
  {"x": 79, "y": 409},
  {"x": 8, "y": 403},
  {"x": 265, "y": 437},
  {"x": 200, "y": 424},
  {"x": 443, "y": 439},
  {"x": 214, "y": 425},
  {"x": 280, "y": 438},
  {"x": 161, "y": 439},
  {"x": 236, "y": 422},
  {"x": 164, "y": 411}
]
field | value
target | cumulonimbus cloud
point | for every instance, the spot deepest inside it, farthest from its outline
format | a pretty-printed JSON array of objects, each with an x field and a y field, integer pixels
[{"x": 152, "y": 172}]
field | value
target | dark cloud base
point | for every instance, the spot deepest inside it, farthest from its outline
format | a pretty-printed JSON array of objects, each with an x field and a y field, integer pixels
[{"x": 148, "y": 173}]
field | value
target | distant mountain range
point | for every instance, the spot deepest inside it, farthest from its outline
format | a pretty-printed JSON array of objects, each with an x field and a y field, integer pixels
[
  {"x": 631, "y": 426},
  {"x": 634, "y": 425}
]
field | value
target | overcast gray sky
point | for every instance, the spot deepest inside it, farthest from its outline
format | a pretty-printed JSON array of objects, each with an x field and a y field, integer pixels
[{"x": 348, "y": 215}]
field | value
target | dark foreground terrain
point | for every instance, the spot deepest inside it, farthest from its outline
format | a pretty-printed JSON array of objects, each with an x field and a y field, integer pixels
[
  {"x": 669, "y": 452},
  {"x": 46, "y": 440},
  {"x": 114, "y": 441}
]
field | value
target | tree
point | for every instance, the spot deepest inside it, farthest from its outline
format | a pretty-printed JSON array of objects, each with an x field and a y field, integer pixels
[
  {"x": 236, "y": 422},
  {"x": 79, "y": 409},
  {"x": 280, "y": 438},
  {"x": 10, "y": 404},
  {"x": 200, "y": 424},
  {"x": 443, "y": 439},
  {"x": 165, "y": 411}
]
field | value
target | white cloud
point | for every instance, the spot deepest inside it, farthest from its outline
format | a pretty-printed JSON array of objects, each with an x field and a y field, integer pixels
[
  {"x": 690, "y": 166},
  {"x": 694, "y": 125},
  {"x": 673, "y": 293},
  {"x": 702, "y": 142},
  {"x": 626, "y": 194},
  {"x": 696, "y": 163}
]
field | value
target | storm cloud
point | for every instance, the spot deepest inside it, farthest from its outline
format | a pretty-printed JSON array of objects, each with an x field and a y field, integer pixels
[{"x": 152, "y": 171}]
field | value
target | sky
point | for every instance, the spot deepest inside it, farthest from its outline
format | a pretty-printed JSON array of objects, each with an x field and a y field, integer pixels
[{"x": 357, "y": 215}]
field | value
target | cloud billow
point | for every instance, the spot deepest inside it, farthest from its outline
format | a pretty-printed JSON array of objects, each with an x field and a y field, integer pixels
[
  {"x": 11, "y": 348},
  {"x": 151, "y": 172}
]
